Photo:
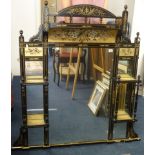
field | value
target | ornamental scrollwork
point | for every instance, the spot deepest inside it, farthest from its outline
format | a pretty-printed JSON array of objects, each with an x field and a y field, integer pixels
[
  {"x": 85, "y": 10},
  {"x": 33, "y": 51},
  {"x": 82, "y": 35},
  {"x": 127, "y": 52}
]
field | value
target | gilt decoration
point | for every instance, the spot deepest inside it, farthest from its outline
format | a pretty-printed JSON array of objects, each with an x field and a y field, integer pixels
[
  {"x": 33, "y": 51},
  {"x": 85, "y": 10},
  {"x": 82, "y": 35},
  {"x": 127, "y": 52}
]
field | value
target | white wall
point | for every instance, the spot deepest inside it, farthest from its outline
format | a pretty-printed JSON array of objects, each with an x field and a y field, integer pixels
[
  {"x": 26, "y": 17},
  {"x": 138, "y": 26},
  {"x": 117, "y": 7},
  {"x": 135, "y": 16}
]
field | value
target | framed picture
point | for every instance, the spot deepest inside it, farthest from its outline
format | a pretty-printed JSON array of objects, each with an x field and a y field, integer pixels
[
  {"x": 106, "y": 79},
  {"x": 96, "y": 98}
]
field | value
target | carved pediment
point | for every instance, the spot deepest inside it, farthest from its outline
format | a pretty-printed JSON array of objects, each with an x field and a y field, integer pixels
[{"x": 86, "y": 10}]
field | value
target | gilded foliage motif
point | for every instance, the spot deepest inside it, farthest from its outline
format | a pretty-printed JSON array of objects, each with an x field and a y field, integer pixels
[
  {"x": 86, "y": 10},
  {"x": 33, "y": 51},
  {"x": 82, "y": 35},
  {"x": 127, "y": 52}
]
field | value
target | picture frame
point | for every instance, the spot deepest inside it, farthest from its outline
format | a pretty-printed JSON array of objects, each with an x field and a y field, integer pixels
[
  {"x": 106, "y": 79},
  {"x": 96, "y": 99}
]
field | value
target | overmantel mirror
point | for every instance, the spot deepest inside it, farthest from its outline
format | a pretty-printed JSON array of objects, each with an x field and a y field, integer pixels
[{"x": 99, "y": 107}]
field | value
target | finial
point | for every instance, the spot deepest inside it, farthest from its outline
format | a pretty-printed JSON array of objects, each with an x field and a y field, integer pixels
[
  {"x": 46, "y": 3},
  {"x": 138, "y": 77},
  {"x": 101, "y": 19},
  {"x": 118, "y": 78},
  {"x": 125, "y": 7},
  {"x": 137, "y": 34},
  {"x": 21, "y": 32},
  {"x": 55, "y": 18},
  {"x": 71, "y": 19},
  {"x": 137, "y": 39}
]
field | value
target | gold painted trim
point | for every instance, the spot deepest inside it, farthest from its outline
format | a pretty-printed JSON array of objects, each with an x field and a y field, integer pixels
[
  {"x": 126, "y": 52},
  {"x": 78, "y": 143}
]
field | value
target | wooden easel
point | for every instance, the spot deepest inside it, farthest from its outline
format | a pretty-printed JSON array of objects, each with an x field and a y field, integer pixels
[
  {"x": 74, "y": 69},
  {"x": 96, "y": 66}
]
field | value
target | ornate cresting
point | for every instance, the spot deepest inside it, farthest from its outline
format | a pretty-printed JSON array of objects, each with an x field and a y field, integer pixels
[{"x": 86, "y": 10}]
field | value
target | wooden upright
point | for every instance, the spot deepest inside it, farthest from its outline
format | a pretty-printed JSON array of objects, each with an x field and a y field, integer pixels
[
  {"x": 34, "y": 52},
  {"x": 124, "y": 88}
]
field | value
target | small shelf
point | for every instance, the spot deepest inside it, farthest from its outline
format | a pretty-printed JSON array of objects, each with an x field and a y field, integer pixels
[
  {"x": 35, "y": 120},
  {"x": 126, "y": 77},
  {"x": 34, "y": 80},
  {"x": 33, "y": 58},
  {"x": 123, "y": 115}
]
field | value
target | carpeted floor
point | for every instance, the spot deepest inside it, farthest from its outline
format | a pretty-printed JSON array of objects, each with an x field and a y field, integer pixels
[{"x": 71, "y": 120}]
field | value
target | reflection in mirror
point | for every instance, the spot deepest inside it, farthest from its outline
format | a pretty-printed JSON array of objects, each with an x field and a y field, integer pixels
[
  {"x": 74, "y": 120},
  {"x": 33, "y": 68},
  {"x": 125, "y": 67}
]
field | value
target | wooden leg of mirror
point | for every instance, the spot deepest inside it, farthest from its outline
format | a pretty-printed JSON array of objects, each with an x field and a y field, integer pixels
[
  {"x": 58, "y": 65},
  {"x": 25, "y": 136},
  {"x": 46, "y": 136},
  {"x": 22, "y": 139},
  {"x": 92, "y": 55},
  {"x": 84, "y": 66},
  {"x": 110, "y": 130},
  {"x": 76, "y": 73},
  {"x": 68, "y": 74},
  {"x": 60, "y": 72},
  {"x": 84, "y": 70},
  {"x": 130, "y": 133},
  {"x": 102, "y": 59},
  {"x": 54, "y": 67}
]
